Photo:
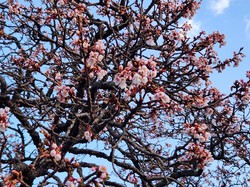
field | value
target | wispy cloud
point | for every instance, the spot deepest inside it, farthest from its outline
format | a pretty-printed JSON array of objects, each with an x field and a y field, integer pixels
[
  {"x": 196, "y": 28},
  {"x": 247, "y": 26},
  {"x": 219, "y": 6}
]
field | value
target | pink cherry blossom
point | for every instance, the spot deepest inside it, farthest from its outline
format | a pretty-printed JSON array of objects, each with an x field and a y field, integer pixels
[
  {"x": 92, "y": 60},
  {"x": 99, "y": 46},
  {"x": 120, "y": 81},
  {"x": 100, "y": 58},
  {"x": 85, "y": 44},
  {"x": 101, "y": 74},
  {"x": 87, "y": 136},
  {"x": 63, "y": 92},
  {"x": 58, "y": 157},
  {"x": 144, "y": 70},
  {"x": 4, "y": 118},
  {"x": 55, "y": 152},
  {"x": 133, "y": 179},
  {"x": 197, "y": 151},
  {"x": 58, "y": 76},
  {"x": 137, "y": 79},
  {"x": 161, "y": 96},
  {"x": 104, "y": 174},
  {"x": 103, "y": 169},
  {"x": 53, "y": 145},
  {"x": 200, "y": 102},
  {"x": 70, "y": 184}
]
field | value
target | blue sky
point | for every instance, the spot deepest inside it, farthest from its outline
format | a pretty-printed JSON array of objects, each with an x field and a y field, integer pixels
[{"x": 232, "y": 18}]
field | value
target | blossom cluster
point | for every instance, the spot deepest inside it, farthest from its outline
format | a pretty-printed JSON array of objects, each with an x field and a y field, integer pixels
[
  {"x": 55, "y": 152},
  {"x": 173, "y": 6},
  {"x": 4, "y": 119},
  {"x": 138, "y": 72},
  {"x": 132, "y": 178},
  {"x": 161, "y": 96},
  {"x": 25, "y": 62},
  {"x": 244, "y": 87},
  {"x": 63, "y": 92},
  {"x": 101, "y": 172},
  {"x": 71, "y": 182},
  {"x": 94, "y": 60},
  {"x": 195, "y": 150},
  {"x": 197, "y": 131},
  {"x": 199, "y": 153},
  {"x": 199, "y": 102}
]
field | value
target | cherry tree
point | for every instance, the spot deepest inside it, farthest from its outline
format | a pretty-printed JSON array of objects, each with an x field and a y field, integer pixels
[{"x": 117, "y": 93}]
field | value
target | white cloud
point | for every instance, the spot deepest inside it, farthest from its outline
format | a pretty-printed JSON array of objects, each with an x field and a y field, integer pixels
[
  {"x": 247, "y": 27},
  {"x": 219, "y": 6},
  {"x": 196, "y": 28}
]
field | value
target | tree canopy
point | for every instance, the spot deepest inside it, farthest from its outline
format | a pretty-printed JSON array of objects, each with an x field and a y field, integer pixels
[{"x": 117, "y": 93}]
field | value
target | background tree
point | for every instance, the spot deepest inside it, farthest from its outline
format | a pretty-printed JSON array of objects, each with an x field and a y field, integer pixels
[{"x": 118, "y": 83}]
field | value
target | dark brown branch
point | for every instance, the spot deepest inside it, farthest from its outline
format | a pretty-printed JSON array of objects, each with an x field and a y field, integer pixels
[{"x": 179, "y": 174}]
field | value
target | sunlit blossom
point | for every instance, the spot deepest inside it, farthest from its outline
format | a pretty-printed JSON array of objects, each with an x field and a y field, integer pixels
[
  {"x": 55, "y": 152},
  {"x": 161, "y": 96},
  {"x": 120, "y": 81},
  {"x": 137, "y": 79},
  {"x": 99, "y": 46},
  {"x": 87, "y": 136},
  {"x": 101, "y": 74},
  {"x": 92, "y": 60}
]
